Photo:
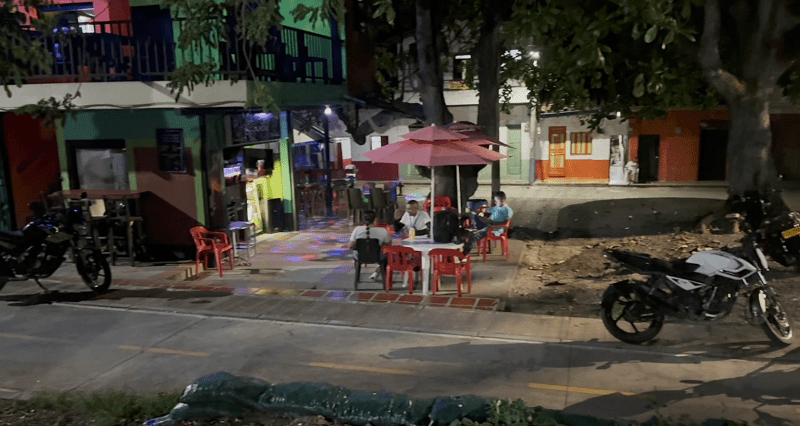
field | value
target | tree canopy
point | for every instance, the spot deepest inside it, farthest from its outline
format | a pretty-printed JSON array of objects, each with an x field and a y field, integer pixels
[{"x": 642, "y": 57}]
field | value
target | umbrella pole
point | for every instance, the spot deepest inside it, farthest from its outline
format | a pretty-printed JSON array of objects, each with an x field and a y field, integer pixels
[
  {"x": 458, "y": 187},
  {"x": 433, "y": 201}
]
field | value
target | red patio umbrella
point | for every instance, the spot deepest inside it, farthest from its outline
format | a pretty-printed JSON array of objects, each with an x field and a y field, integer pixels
[
  {"x": 434, "y": 134},
  {"x": 436, "y": 151},
  {"x": 473, "y": 134}
]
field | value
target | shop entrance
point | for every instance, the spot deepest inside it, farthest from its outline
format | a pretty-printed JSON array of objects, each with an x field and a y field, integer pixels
[{"x": 250, "y": 184}]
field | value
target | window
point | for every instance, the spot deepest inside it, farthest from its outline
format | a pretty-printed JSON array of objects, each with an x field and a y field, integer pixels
[{"x": 580, "y": 143}]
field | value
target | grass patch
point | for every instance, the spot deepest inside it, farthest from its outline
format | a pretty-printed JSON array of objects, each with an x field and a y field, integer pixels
[{"x": 104, "y": 409}]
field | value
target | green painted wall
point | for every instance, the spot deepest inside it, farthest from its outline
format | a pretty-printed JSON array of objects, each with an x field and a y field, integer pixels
[{"x": 138, "y": 129}]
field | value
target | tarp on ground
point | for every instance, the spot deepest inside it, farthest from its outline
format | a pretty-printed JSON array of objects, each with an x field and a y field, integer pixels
[{"x": 225, "y": 395}]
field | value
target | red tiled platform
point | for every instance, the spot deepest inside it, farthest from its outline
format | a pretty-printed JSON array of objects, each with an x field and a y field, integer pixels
[
  {"x": 410, "y": 299},
  {"x": 364, "y": 297},
  {"x": 483, "y": 303},
  {"x": 314, "y": 293},
  {"x": 463, "y": 302},
  {"x": 386, "y": 297}
]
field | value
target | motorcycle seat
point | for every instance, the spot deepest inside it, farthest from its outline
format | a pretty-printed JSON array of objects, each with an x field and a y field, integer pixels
[{"x": 641, "y": 263}]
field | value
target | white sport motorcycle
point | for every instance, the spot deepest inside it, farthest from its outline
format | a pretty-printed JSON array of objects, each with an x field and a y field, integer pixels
[{"x": 703, "y": 287}]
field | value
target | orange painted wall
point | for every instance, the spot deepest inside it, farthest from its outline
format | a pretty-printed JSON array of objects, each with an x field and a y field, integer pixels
[
  {"x": 33, "y": 161},
  {"x": 576, "y": 170},
  {"x": 367, "y": 170},
  {"x": 679, "y": 153}
]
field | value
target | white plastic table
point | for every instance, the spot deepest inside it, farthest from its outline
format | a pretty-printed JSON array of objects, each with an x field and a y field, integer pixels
[{"x": 424, "y": 245}]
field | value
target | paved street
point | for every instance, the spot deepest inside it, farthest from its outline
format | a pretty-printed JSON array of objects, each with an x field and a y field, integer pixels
[{"x": 730, "y": 373}]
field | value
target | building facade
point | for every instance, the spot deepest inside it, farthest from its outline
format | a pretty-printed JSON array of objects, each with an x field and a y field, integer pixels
[{"x": 194, "y": 156}]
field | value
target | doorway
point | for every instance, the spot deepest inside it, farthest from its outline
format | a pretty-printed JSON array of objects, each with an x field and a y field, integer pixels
[
  {"x": 713, "y": 154},
  {"x": 558, "y": 151},
  {"x": 648, "y": 158}
]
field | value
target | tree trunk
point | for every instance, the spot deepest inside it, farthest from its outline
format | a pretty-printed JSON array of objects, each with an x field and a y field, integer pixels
[
  {"x": 762, "y": 26},
  {"x": 432, "y": 91},
  {"x": 750, "y": 146},
  {"x": 487, "y": 56},
  {"x": 430, "y": 69}
]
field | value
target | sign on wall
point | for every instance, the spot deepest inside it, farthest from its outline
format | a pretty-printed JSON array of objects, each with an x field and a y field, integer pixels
[{"x": 170, "y": 146}]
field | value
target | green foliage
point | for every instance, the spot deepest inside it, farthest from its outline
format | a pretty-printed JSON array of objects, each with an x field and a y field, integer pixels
[
  {"x": 108, "y": 409},
  {"x": 52, "y": 110},
  {"x": 589, "y": 63},
  {"x": 19, "y": 53},
  {"x": 321, "y": 12},
  {"x": 507, "y": 413},
  {"x": 188, "y": 75},
  {"x": 260, "y": 96}
]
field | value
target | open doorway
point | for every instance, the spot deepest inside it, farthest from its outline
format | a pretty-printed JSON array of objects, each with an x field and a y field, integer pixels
[
  {"x": 649, "y": 146},
  {"x": 713, "y": 154}
]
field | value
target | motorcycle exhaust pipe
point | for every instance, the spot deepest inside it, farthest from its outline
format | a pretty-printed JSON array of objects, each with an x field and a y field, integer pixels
[{"x": 662, "y": 299}]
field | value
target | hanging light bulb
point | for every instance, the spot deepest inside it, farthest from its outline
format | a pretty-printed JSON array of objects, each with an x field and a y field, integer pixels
[{"x": 328, "y": 110}]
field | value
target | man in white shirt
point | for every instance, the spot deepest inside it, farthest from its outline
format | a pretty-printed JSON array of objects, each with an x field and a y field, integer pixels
[
  {"x": 367, "y": 231},
  {"x": 412, "y": 218}
]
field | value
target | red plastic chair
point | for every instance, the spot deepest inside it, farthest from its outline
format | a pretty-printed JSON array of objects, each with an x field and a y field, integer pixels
[
  {"x": 484, "y": 246},
  {"x": 441, "y": 203},
  {"x": 444, "y": 263},
  {"x": 208, "y": 242},
  {"x": 402, "y": 259}
]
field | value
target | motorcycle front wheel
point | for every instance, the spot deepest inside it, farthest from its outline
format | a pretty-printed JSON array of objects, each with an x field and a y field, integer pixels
[
  {"x": 95, "y": 271},
  {"x": 627, "y": 317},
  {"x": 778, "y": 324}
]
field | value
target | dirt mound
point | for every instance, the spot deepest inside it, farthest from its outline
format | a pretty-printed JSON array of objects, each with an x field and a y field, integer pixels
[{"x": 568, "y": 276}]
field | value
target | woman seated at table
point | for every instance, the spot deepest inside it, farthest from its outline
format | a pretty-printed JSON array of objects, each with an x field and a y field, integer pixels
[
  {"x": 368, "y": 231},
  {"x": 412, "y": 218}
]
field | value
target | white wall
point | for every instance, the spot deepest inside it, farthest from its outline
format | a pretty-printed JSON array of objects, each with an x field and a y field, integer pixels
[
  {"x": 130, "y": 94},
  {"x": 601, "y": 146}
]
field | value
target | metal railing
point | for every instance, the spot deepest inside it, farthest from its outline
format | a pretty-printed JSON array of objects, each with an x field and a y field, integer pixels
[{"x": 112, "y": 51}]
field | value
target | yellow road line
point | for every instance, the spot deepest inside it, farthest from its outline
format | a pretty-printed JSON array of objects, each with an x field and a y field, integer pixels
[
  {"x": 359, "y": 368},
  {"x": 17, "y": 336},
  {"x": 165, "y": 351},
  {"x": 543, "y": 386}
]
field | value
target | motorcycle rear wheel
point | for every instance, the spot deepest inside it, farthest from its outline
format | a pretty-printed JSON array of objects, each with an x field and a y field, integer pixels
[
  {"x": 95, "y": 271},
  {"x": 620, "y": 305},
  {"x": 778, "y": 323}
]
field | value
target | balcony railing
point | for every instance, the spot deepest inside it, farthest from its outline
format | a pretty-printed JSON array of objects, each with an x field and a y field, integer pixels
[{"x": 111, "y": 51}]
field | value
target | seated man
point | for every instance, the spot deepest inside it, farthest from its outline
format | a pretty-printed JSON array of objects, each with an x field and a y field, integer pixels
[
  {"x": 497, "y": 215},
  {"x": 412, "y": 218},
  {"x": 367, "y": 231}
]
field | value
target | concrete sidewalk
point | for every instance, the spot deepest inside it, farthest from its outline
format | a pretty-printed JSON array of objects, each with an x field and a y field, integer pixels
[{"x": 316, "y": 264}]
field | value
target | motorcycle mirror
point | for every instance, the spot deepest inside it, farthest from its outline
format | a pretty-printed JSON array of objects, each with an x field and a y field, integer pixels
[{"x": 84, "y": 195}]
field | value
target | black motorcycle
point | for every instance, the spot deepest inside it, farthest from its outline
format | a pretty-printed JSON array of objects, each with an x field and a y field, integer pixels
[
  {"x": 38, "y": 250},
  {"x": 774, "y": 228},
  {"x": 703, "y": 287}
]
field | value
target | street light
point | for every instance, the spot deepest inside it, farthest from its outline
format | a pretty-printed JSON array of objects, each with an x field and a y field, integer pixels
[{"x": 328, "y": 183}]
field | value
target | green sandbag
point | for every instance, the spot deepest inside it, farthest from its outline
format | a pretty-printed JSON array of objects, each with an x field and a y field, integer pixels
[
  {"x": 225, "y": 395},
  {"x": 445, "y": 410},
  {"x": 219, "y": 395},
  {"x": 354, "y": 407}
]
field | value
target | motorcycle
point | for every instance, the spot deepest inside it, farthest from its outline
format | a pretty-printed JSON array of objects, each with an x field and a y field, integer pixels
[
  {"x": 766, "y": 217},
  {"x": 38, "y": 250},
  {"x": 703, "y": 287}
]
